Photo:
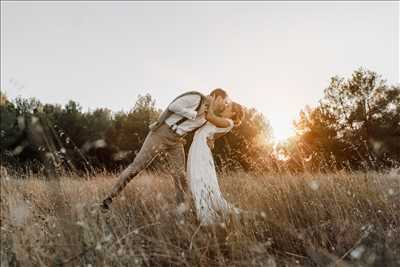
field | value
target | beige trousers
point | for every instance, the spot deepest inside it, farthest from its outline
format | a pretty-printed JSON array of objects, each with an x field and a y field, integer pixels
[{"x": 161, "y": 140}]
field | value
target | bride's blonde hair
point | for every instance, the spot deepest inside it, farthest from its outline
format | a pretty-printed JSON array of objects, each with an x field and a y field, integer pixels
[{"x": 238, "y": 113}]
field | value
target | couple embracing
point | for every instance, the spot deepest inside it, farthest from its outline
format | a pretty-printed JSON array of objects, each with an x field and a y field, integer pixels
[{"x": 209, "y": 117}]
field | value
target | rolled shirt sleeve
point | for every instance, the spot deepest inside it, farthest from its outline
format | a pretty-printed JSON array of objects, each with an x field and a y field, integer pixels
[{"x": 185, "y": 106}]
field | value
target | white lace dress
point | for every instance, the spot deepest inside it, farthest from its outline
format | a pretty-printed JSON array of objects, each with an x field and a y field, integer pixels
[{"x": 210, "y": 205}]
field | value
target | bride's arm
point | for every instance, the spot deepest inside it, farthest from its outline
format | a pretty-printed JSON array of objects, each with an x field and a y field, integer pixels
[{"x": 214, "y": 119}]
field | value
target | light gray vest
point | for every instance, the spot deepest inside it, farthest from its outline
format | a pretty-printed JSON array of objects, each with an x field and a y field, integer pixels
[{"x": 166, "y": 113}]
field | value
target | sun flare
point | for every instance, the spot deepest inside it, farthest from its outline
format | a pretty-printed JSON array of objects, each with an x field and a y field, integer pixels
[{"x": 282, "y": 129}]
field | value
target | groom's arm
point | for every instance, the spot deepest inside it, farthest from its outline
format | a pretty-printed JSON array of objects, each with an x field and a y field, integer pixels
[{"x": 185, "y": 106}]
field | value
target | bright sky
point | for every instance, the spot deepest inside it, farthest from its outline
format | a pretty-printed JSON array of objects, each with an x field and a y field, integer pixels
[{"x": 274, "y": 56}]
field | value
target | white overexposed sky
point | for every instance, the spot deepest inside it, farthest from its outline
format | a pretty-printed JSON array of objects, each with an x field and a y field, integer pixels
[{"x": 274, "y": 56}]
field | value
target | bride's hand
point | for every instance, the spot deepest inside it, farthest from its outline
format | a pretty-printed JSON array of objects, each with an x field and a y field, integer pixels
[{"x": 210, "y": 143}]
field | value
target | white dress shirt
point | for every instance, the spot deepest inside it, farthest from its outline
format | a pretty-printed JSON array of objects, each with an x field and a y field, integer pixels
[{"x": 185, "y": 107}]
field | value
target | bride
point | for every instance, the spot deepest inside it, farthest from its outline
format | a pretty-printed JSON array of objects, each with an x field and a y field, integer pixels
[{"x": 210, "y": 205}]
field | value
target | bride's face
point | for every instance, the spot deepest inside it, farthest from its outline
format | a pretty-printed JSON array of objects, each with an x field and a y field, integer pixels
[{"x": 228, "y": 112}]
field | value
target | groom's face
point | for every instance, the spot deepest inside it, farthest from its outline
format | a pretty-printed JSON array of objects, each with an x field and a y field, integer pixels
[{"x": 221, "y": 103}]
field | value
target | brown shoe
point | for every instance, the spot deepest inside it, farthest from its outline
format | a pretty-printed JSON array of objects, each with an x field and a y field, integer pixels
[{"x": 105, "y": 205}]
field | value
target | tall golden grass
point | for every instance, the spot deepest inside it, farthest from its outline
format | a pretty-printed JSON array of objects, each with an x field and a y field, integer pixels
[{"x": 336, "y": 219}]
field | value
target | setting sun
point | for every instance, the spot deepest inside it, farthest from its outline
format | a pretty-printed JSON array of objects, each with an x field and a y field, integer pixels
[{"x": 282, "y": 127}]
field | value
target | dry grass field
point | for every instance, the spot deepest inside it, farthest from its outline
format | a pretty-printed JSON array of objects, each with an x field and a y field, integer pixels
[{"x": 337, "y": 219}]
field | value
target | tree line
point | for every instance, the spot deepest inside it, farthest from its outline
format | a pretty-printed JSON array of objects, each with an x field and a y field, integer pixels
[
  {"x": 54, "y": 138},
  {"x": 356, "y": 125}
]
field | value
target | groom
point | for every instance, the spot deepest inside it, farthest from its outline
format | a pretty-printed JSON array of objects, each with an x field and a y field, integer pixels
[{"x": 183, "y": 115}]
